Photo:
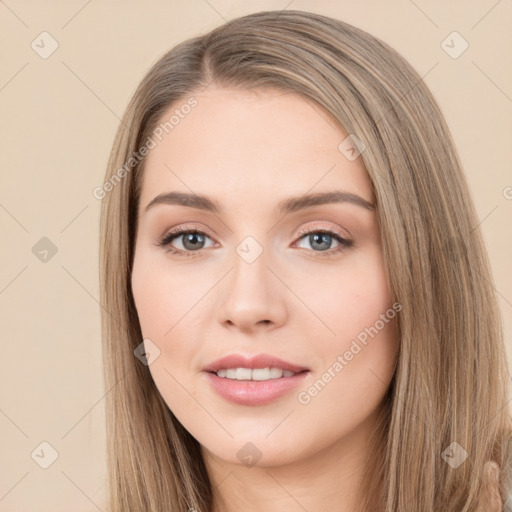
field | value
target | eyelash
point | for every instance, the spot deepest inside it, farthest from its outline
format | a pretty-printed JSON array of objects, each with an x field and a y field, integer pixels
[{"x": 177, "y": 232}]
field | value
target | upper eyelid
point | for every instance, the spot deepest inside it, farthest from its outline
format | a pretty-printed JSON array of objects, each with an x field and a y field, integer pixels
[{"x": 323, "y": 227}]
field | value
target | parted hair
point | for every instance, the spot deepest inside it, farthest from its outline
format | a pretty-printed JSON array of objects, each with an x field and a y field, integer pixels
[{"x": 450, "y": 381}]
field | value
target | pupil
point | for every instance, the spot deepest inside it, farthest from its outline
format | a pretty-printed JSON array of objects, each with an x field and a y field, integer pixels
[
  {"x": 192, "y": 238},
  {"x": 324, "y": 238}
]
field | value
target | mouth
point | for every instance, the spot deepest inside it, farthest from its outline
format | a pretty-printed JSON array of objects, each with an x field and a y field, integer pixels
[
  {"x": 256, "y": 380},
  {"x": 254, "y": 374}
]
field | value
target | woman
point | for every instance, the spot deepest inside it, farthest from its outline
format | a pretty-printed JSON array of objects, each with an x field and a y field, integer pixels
[{"x": 298, "y": 305}]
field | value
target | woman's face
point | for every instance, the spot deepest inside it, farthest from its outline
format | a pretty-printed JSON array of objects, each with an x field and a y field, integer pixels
[{"x": 265, "y": 275}]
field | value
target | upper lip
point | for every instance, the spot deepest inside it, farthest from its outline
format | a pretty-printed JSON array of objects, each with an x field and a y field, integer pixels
[{"x": 256, "y": 361}]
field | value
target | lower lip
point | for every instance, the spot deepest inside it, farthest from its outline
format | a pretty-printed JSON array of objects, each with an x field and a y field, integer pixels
[{"x": 254, "y": 392}]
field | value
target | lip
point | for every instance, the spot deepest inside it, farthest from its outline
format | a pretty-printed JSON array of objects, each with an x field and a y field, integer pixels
[
  {"x": 251, "y": 392},
  {"x": 256, "y": 361}
]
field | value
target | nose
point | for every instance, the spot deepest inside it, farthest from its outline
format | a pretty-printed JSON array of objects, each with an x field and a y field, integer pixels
[{"x": 252, "y": 296}]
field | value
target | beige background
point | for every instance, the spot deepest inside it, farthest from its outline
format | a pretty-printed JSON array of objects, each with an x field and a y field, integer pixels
[{"x": 58, "y": 119}]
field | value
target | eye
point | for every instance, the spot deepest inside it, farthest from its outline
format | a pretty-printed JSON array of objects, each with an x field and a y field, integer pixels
[
  {"x": 192, "y": 240},
  {"x": 321, "y": 239}
]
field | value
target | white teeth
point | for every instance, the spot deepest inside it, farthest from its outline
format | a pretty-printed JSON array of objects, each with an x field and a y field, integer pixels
[
  {"x": 243, "y": 373},
  {"x": 256, "y": 374},
  {"x": 276, "y": 373},
  {"x": 266, "y": 374}
]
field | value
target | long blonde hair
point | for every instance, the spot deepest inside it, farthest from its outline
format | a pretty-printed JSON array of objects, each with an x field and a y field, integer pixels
[{"x": 450, "y": 384}]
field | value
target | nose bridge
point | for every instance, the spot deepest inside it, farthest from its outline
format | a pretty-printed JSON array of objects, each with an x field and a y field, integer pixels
[
  {"x": 250, "y": 274},
  {"x": 252, "y": 251},
  {"x": 251, "y": 294}
]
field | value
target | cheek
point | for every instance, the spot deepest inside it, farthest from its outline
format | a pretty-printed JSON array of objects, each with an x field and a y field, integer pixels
[
  {"x": 354, "y": 379},
  {"x": 357, "y": 356},
  {"x": 350, "y": 297},
  {"x": 161, "y": 308},
  {"x": 167, "y": 303},
  {"x": 162, "y": 297}
]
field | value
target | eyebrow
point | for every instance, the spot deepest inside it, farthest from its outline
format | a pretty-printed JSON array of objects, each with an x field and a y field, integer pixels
[{"x": 285, "y": 206}]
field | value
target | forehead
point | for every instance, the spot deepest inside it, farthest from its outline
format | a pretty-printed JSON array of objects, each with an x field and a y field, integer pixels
[{"x": 264, "y": 142}]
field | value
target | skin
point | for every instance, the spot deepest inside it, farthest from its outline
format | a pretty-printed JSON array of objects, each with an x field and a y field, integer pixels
[{"x": 249, "y": 150}]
